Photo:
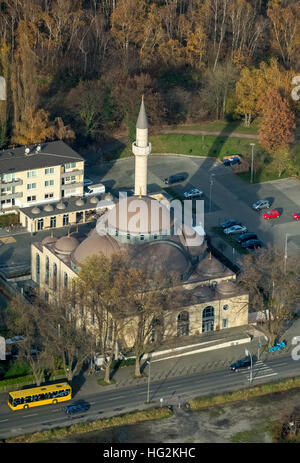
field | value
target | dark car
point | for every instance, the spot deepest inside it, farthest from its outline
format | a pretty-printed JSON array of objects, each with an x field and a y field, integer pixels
[
  {"x": 240, "y": 364},
  {"x": 246, "y": 237},
  {"x": 174, "y": 179},
  {"x": 76, "y": 408},
  {"x": 252, "y": 244},
  {"x": 229, "y": 223},
  {"x": 232, "y": 161}
]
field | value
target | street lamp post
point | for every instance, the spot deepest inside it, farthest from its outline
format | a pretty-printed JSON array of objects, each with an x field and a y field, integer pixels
[
  {"x": 259, "y": 346},
  {"x": 148, "y": 391},
  {"x": 285, "y": 251},
  {"x": 252, "y": 147},
  {"x": 247, "y": 352},
  {"x": 210, "y": 189}
]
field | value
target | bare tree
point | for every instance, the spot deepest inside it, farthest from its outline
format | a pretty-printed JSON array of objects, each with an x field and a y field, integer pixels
[{"x": 273, "y": 285}]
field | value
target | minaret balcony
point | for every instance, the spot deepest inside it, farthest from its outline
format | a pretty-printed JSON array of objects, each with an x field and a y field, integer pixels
[{"x": 141, "y": 151}]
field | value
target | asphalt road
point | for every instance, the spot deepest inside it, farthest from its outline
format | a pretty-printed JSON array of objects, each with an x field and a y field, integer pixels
[{"x": 173, "y": 392}]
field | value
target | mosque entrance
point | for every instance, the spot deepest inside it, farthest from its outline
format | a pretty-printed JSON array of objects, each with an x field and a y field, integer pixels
[{"x": 208, "y": 319}]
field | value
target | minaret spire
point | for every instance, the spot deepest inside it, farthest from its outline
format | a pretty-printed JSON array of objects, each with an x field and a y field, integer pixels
[{"x": 141, "y": 148}]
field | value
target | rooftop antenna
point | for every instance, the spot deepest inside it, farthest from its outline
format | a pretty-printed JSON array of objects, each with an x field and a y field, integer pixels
[{"x": 38, "y": 149}]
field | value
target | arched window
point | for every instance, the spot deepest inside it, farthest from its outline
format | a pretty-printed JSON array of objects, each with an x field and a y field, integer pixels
[
  {"x": 183, "y": 324},
  {"x": 208, "y": 319},
  {"x": 47, "y": 271},
  {"x": 54, "y": 276},
  {"x": 65, "y": 280}
]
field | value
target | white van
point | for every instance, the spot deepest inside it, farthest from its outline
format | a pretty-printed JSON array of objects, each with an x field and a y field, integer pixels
[{"x": 96, "y": 189}]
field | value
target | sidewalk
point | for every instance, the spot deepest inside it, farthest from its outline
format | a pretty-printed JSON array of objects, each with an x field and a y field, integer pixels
[{"x": 185, "y": 365}]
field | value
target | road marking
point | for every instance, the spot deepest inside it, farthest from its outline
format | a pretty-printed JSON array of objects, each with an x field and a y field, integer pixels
[
  {"x": 92, "y": 403},
  {"x": 118, "y": 397},
  {"x": 3, "y": 420},
  {"x": 27, "y": 416},
  {"x": 264, "y": 376}
]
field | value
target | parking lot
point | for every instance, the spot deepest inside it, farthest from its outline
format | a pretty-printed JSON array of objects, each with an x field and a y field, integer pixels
[{"x": 225, "y": 194}]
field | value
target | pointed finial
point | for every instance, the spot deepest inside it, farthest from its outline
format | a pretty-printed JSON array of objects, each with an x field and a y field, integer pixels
[
  {"x": 140, "y": 196},
  {"x": 210, "y": 255},
  {"x": 52, "y": 234},
  {"x": 142, "y": 97},
  {"x": 69, "y": 233}
]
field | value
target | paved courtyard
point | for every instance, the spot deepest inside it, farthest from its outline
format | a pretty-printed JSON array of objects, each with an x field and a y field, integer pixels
[{"x": 227, "y": 197}]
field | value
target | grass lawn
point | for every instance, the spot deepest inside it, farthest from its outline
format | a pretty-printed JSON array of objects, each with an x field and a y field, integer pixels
[
  {"x": 200, "y": 145},
  {"x": 216, "y": 126}
]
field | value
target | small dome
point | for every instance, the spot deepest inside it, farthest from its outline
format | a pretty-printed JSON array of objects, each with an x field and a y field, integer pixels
[
  {"x": 227, "y": 288},
  {"x": 79, "y": 202},
  {"x": 66, "y": 244},
  {"x": 35, "y": 210},
  {"x": 48, "y": 208},
  {"x": 210, "y": 267},
  {"x": 95, "y": 244},
  {"x": 201, "y": 293},
  {"x": 94, "y": 200},
  {"x": 108, "y": 197},
  {"x": 60, "y": 205},
  {"x": 49, "y": 239}
]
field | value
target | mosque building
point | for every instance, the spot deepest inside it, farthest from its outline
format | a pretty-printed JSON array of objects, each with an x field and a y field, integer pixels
[{"x": 210, "y": 298}]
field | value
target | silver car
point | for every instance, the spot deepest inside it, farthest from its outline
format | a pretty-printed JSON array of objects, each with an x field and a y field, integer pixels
[
  {"x": 194, "y": 193},
  {"x": 261, "y": 204},
  {"x": 235, "y": 229}
]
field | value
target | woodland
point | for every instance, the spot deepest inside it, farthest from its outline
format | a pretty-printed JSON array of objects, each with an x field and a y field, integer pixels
[{"x": 76, "y": 69}]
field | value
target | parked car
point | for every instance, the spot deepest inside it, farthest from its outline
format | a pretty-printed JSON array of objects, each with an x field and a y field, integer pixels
[
  {"x": 245, "y": 237},
  {"x": 87, "y": 181},
  {"x": 252, "y": 244},
  {"x": 76, "y": 408},
  {"x": 235, "y": 229},
  {"x": 231, "y": 161},
  {"x": 194, "y": 193},
  {"x": 273, "y": 214},
  {"x": 296, "y": 216},
  {"x": 261, "y": 204},
  {"x": 229, "y": 223},
  {"x": 240, "y": 364},
  {"x": 91, "y": 190},
  {"x": 174, "y": 179}
]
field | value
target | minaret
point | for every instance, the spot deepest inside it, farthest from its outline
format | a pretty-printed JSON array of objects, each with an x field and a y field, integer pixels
[{"x": 141, "y": 148}]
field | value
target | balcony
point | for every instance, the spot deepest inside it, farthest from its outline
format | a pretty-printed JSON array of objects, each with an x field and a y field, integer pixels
[
  {"x": 11, "y": 195},
  {"x": 12, "y": 183},
  {"x": 71, "y": 172},
  {"x": 68, "y": 186}
]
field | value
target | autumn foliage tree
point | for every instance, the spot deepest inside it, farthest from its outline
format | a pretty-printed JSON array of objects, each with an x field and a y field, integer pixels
[{"x": 277, "y": 123}]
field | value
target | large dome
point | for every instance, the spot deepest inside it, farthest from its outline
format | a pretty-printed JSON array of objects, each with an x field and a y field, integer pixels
[
  {"x": 139, "y": 215},
  {"x": 95, "y": 244},
  {"x": 66, "y": 244},
  {"x": 162, "y": 256}
]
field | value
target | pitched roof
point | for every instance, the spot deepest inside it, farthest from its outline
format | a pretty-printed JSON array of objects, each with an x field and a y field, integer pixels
[
  {"x": 51, "y": 154},
  {"x": 142, "y": 122}
]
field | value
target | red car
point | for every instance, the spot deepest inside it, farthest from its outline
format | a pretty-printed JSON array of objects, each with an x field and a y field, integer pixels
[
  {"x": 271, "y": 214},
  {"x": 296, "y": 216}
]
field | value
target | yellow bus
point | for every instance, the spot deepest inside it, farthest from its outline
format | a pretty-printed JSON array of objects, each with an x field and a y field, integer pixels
[{"x": 42, "y": 395}]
